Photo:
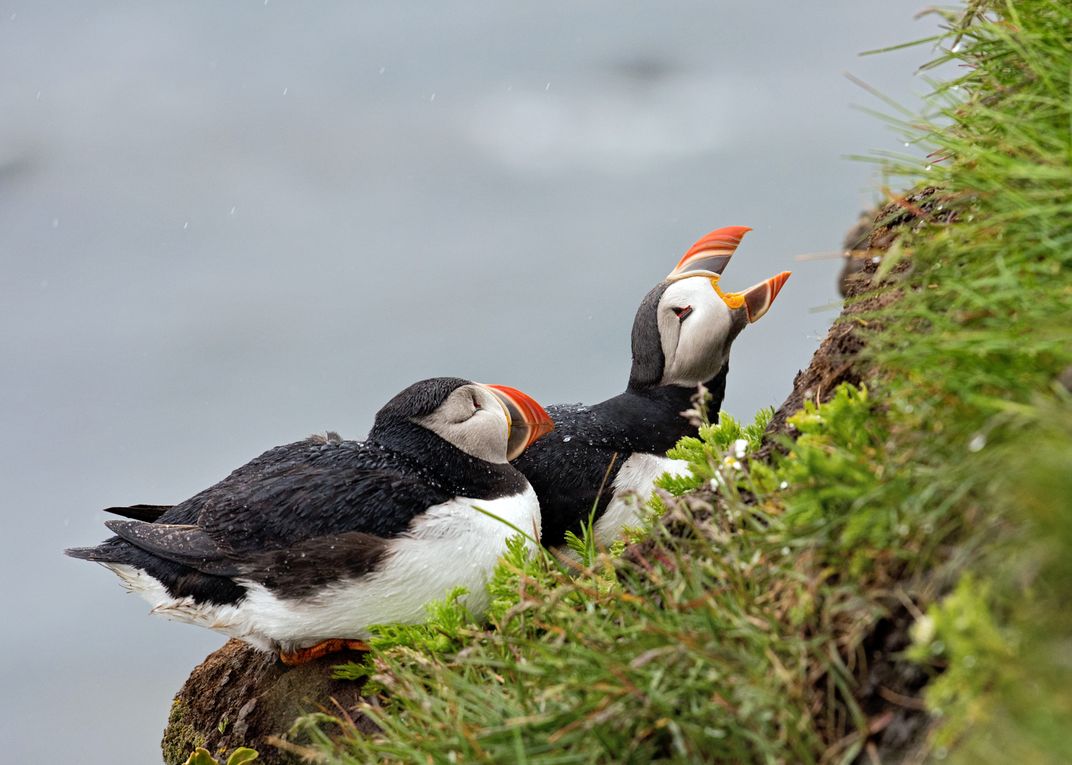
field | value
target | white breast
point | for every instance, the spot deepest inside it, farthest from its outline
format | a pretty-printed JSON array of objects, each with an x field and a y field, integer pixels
[
  {"x": 632, "y": 489},
  {"x": 450, "y": 545}
]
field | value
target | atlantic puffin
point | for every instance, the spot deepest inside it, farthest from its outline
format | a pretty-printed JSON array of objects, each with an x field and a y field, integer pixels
[
  {"x": 603, "y": 458},
  {"x": 302, "y": 549}
]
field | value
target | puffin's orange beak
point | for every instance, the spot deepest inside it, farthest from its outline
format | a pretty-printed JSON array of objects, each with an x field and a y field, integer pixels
[
  {"x": 757, "y": 299},
  {"x": 528, "y": 420},
  {"x": 711, "y": 253}
]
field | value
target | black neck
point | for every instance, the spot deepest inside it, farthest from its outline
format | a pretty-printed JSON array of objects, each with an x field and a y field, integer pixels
[{"x": 651, "y": 420}]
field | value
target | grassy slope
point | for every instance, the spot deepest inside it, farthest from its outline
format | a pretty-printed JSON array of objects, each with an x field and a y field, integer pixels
[{"x": 752, "y": 625}]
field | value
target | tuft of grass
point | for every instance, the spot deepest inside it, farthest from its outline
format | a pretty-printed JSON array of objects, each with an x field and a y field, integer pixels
[
  {"x": 970, "y": 357},
  {"x": 715, "y": 447},
  {"x": 745, "y": 627}
]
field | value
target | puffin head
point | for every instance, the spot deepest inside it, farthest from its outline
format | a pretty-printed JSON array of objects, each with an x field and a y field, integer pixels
[
  {"x": 493, "y": 423},
  {"x": 685, "y": 326}
]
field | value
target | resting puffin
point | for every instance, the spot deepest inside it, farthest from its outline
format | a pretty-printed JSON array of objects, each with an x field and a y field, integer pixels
[
  {"x": 605, "y": 457},
  {"x": 300, "y": 550}
]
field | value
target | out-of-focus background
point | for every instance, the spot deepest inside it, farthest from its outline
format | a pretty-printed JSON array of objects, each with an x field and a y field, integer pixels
[{"x": 226, "y": 226}]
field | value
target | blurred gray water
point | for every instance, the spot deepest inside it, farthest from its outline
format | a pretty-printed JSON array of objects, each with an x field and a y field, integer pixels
[{"x": 226, "y": 226}]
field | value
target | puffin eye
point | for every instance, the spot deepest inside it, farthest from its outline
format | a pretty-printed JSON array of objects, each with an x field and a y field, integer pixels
[{"x": 682, "y": 313}]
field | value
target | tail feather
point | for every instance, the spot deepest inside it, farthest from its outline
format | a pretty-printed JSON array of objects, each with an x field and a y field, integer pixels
[
  {"x": 148, "y": 513},
  {"x": 100, "y": 553},
  {"x": 180, "y": 581}
]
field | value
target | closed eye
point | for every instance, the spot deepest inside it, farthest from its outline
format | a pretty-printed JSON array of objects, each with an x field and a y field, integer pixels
[
  {"x": 466, "y": 407},
  {"x": 682, "y": 313}
]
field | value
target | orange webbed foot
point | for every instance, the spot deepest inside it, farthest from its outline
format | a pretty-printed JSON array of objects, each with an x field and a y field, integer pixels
[{"x": 323, "y": 648}]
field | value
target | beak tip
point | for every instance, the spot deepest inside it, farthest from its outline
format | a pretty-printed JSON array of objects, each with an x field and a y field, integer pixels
[
  {"x": 758, "y": 299},
  {"x": 778, "y": 282}
]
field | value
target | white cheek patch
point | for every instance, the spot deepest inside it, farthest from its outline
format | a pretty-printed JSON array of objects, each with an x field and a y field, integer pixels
[
  {"x": 669, "y": 334},
  {"x": 483, "y": 435},
  {"x": 696, "y": 348}
]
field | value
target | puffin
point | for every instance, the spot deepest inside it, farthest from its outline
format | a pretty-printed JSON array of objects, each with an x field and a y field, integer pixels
[
  {"x": 302, "y": 549},
  {"x": 603, "y": 459}
]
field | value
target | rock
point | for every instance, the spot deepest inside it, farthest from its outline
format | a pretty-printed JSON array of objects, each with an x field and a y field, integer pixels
[
  {"x": 855, "y": 249},
  {"x": 877, "y": 229},
  {"x": 1065, "y": 379},
  {"x": 242, "y": 697}
]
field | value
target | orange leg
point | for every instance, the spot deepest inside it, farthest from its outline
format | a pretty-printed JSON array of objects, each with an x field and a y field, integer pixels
[{"x": 305, "y": 655}]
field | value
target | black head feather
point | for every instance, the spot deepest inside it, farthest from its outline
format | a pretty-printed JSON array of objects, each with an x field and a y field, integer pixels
[
  {"x": 418, "y": 400},
  {"x": 648, "y": 359}
]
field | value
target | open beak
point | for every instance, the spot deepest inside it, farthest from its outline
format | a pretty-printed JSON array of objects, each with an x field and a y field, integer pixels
[
  {"x": 711, "y": 253},
  {"x": 757, "y": 299},
  {"x": 528, "y": 420}
]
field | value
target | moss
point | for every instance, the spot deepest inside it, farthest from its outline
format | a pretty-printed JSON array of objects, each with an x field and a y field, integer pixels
[{"x": 180, "y": 737}]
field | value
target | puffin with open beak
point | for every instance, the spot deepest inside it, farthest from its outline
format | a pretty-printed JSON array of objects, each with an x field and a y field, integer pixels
[
  {"x": 305, "y": 547},
  {"x": 604, "y": 458}
]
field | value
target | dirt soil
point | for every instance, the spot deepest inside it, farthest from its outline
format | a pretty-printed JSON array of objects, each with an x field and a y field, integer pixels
[
  {"x": 835, "y": 361},
  {"x": 889, "y": 687}
]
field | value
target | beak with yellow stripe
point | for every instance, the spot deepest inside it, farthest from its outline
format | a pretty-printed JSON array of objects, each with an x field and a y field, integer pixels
[{"x": 527, "y": 419}]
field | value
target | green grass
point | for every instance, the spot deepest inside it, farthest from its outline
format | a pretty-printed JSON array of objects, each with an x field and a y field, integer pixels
[
  {"x": 738, "y": 629},
  {"x": 973, "y": 353}
]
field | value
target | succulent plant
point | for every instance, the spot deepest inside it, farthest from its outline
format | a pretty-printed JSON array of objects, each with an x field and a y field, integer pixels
[{"x": 240, "y": 756}]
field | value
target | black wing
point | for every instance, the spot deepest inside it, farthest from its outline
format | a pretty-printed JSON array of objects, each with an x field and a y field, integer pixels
[
  {"x": 183, "y": 544},
  {"x": 293, "y": 571}
]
